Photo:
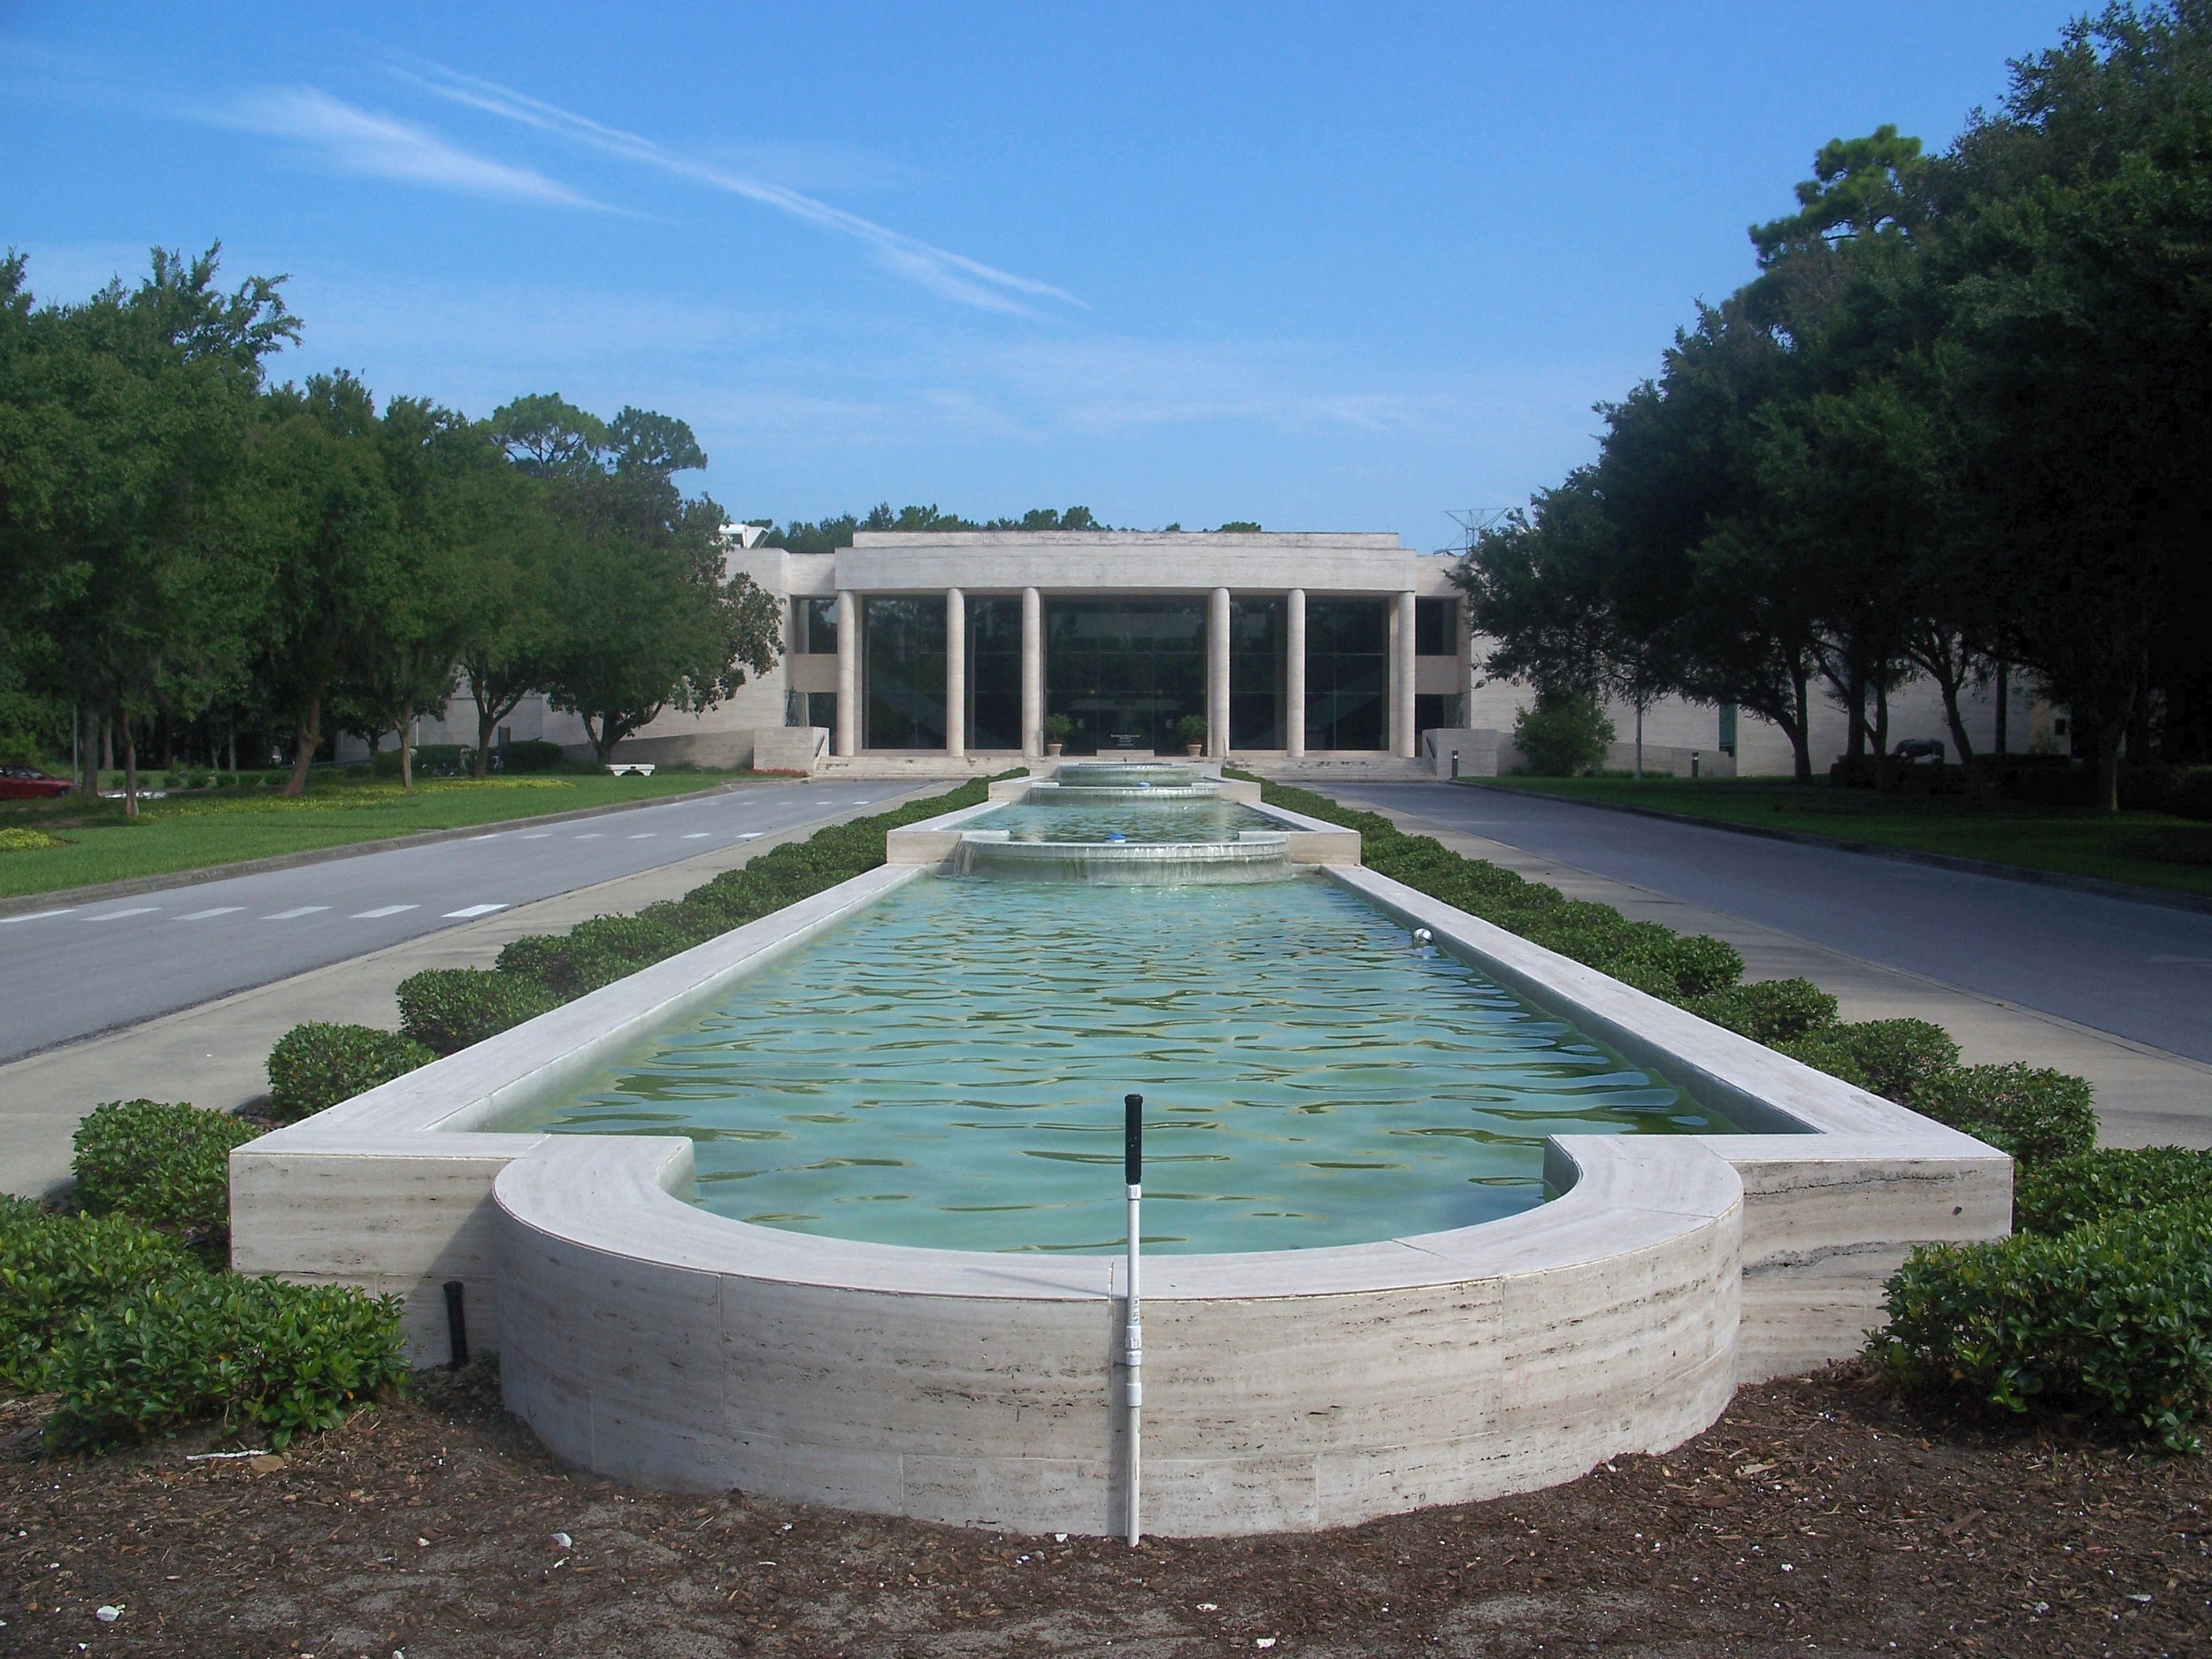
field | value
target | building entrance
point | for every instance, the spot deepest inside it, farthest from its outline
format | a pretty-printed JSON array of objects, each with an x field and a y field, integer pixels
[{"x": 1124, "y": 671}]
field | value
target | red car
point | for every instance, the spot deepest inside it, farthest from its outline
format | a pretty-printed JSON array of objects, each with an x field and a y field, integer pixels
[{"x": 29, "y": 783}]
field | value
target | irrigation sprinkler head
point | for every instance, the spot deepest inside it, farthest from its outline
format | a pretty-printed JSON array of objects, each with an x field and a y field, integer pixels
[{"x": 1422, "y": 936}]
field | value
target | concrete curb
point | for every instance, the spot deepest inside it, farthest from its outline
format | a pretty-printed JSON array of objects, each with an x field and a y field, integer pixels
[
  {"x": 2165, "y": 897},
  {"x": 104, "y": 890}
]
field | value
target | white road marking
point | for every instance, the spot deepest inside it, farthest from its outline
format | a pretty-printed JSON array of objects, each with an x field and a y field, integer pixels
[
  {"x": 117, "y": 916},
  {"x": 590, "y": 835},
  {"x": 537, "y": 835},
  {"x": 220, "y": 909},
  {"x": 473, "y": 910},
  {"x": 39, "y": 915},
  {"x": 698, "y": 835},
  {"x": 382, "y": 909},
  {"x": 751, "y": 836},
  {"x": 2192, "y": 962},
  {"x": 303, "y": 909},
  {"x": 646, "y": 835},
  {"x": 492, "y": 837}
]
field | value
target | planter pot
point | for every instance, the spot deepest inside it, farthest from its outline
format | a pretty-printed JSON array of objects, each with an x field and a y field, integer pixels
[
  {"x": 1052, "y": 749},
  {"x": 1194, "y": 750}
]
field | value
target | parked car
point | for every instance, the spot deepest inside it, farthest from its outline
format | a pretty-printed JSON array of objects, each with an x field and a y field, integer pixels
[{"x": 29, "y": 783}]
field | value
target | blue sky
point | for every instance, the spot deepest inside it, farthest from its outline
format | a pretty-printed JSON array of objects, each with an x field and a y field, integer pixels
[{"x": 1345, "y": 267}]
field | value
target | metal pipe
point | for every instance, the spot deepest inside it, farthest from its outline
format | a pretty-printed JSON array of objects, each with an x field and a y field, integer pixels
[
  {"x": 1132, "y": 1327},
  {"x": 457, "y": 1328}
]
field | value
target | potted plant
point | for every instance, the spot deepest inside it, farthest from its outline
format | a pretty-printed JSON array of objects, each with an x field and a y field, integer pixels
[
  {"x": 1192, "y": 729},
  {"x": 1058, "y": 729}
]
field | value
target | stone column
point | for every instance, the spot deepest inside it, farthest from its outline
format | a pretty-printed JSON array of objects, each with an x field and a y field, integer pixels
[
  {"x": 1401, "y": 734},
  {"x": 1033, "y": 673},
  {"x": 1294, "y": 676},
  {"x": 1217, "y": 675},
  {"x": 955, "y": 672},
  {"x": 847, "y": 672}
]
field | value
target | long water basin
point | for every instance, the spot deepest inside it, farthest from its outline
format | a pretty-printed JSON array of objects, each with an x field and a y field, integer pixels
[
  {"x": 946, "y": 1069},
  {"x": 1135, "y": 821}
]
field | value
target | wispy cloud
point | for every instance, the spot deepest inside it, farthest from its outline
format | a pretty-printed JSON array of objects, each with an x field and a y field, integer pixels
[
  {"x": 357, "y": 141},
  {"x": 942, "y": 272}
]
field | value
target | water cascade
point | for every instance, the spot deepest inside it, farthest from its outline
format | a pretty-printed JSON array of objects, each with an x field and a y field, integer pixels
[{"x": 1122, "y": 824}]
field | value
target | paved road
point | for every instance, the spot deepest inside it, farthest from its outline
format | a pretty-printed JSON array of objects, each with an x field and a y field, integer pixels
[
  {"x": 66, "y": 973},
  {"x": 2137, "y": 971}
]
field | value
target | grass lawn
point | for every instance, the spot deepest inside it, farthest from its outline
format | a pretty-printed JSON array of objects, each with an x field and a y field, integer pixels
[
  {"x": 2149, "y": 848},
  {"x": 220, "y": 826}
]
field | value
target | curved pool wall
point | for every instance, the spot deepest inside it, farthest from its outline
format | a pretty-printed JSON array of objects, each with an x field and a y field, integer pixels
[{"x": 649, "y": 1342}]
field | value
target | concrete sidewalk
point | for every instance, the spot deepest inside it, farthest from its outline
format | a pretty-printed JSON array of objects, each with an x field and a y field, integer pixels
[
  {"x": 216, "y": 1054},
  {"x": 2145, "y": 1095}
]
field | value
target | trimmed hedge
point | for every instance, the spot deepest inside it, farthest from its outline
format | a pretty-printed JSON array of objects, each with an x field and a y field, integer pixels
[
  {"x": 53, "y": 1268},
  {"x": 1894, "y": 1058},
  {"x": 447, "y": 1009},
  {"x": 167, "y": 1164},
  {"x": 1771, "y": 1011},
  {"x": 2114, "y": 1319},
  {"x": 2089, "y": 1186},
  {"x": 2032, "y": 1112},
  {"x": 267, "y": 1358},
  {"x": 316, "y": 1064}
]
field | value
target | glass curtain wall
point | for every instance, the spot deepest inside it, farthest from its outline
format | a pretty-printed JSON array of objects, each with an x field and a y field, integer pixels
[
  {"x": 1347, "y": 673},
  {"x": 1258, "y": 631},
  {"x": 995, "y": 673},
  {"x": 902, "y": 656},
  {"x": 1124, "y": 671}
]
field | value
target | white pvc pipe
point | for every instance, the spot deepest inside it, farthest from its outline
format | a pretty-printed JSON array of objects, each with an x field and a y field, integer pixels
[{"x": 1132, "y": 1360}]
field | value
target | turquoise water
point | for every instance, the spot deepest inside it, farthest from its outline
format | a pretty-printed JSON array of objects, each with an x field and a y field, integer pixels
[
  {"x": 946, "y": 1068},
  {"x": 1133, "y": 820}
]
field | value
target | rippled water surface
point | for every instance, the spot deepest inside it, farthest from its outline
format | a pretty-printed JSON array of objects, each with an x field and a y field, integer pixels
[
  {"x": 947, "y": 1068},
  {"x": 1133, "y": 820}
]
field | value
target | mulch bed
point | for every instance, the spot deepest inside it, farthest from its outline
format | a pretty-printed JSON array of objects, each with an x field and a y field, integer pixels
[{"x": 1818, "y": 1516}]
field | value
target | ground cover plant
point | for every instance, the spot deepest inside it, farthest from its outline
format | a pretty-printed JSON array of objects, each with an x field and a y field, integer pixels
[
  {"x": 2103, "y": 1310},
  {"x": 96, "y": 843},
  {"x": 2146, "y": 848}
]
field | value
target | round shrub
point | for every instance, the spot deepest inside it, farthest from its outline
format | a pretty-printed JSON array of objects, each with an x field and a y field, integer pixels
[
  {"x": 1889, "y": 1057},
  {"x": 447, "y": 1009},
  {"x": 1565, "y": 734},
  {"x": 540, "y": 956},
  {"x": 1703, "y": 965},
  {"x": 269, "y": 1359},
  {"x": 2032, "y": 1112},
  {"x": 2113, "y": 1319},
  {"x": 167, "y": 1164},
  {"x": 54, "y": 1267},
  {"x": 1770, "y": 1011},
  {"x": 315, "y": 1065},
  {"x": 2062, "y": 1193}
]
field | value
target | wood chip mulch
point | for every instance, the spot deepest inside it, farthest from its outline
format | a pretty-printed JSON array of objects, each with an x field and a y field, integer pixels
[{"x": 1820, "y": 1516}]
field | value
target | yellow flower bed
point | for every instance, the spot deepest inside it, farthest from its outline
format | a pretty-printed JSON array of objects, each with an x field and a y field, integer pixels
[{"x": 28, "y": 841}]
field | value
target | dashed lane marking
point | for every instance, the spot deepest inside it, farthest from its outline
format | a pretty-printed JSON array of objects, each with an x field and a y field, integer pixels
[
  {"x": 538, "y": 835},
  {"x": 646, "y": 836},
  {"x": 219, "y": 909},
  {"x": 590, "y": 835},
  {"x": 39, "y": 915},
  {"x": 751, "y": 836},
  {"x": 302, "y": 910},
  {"x": 382, "y": 909},
  {"x": 117, "y": 916},
  {"x": 698, "y": 835},
  {"x": 472, "y": 910}
]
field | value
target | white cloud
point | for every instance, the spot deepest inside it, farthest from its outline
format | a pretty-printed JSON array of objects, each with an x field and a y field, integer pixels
[
  {"x": 953, "y": 275},
  {"x": 356, "y": 141}
]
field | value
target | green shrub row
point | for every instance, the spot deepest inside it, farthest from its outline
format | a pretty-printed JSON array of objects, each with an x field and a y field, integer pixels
[
  {"x": 316, "y": 1064},
  {"x": 2031, "y": 1114},
  {"x": 448, "y": 1008},
  {"x": 2112, "y": 1320},
  {"x": 266, "y": 1358},
  {"x": 53, "y": 1268},
  {"x": 166, "y": 1165},
  {"x": 2100, "y": 1304}
]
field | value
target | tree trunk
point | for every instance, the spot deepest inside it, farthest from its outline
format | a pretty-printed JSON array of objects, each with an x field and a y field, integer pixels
[
  {"x": 233, "y": 741},
  {"x": 130, "y": 771},
  {"x": 107, "y": 742},
  {"x": 307, "y": 737},
  {"x": 1885, "y": 780},
  {"x": 1798, "y": 733},
  {"x": 486, "y": 725},
  {"x": 407, "y": 756},
  {"x": 1854, "y": 710},
  {"x": 604, "y": 733}
]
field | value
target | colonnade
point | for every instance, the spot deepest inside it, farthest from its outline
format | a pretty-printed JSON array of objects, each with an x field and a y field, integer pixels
[{"x": 846, "y": 738}]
